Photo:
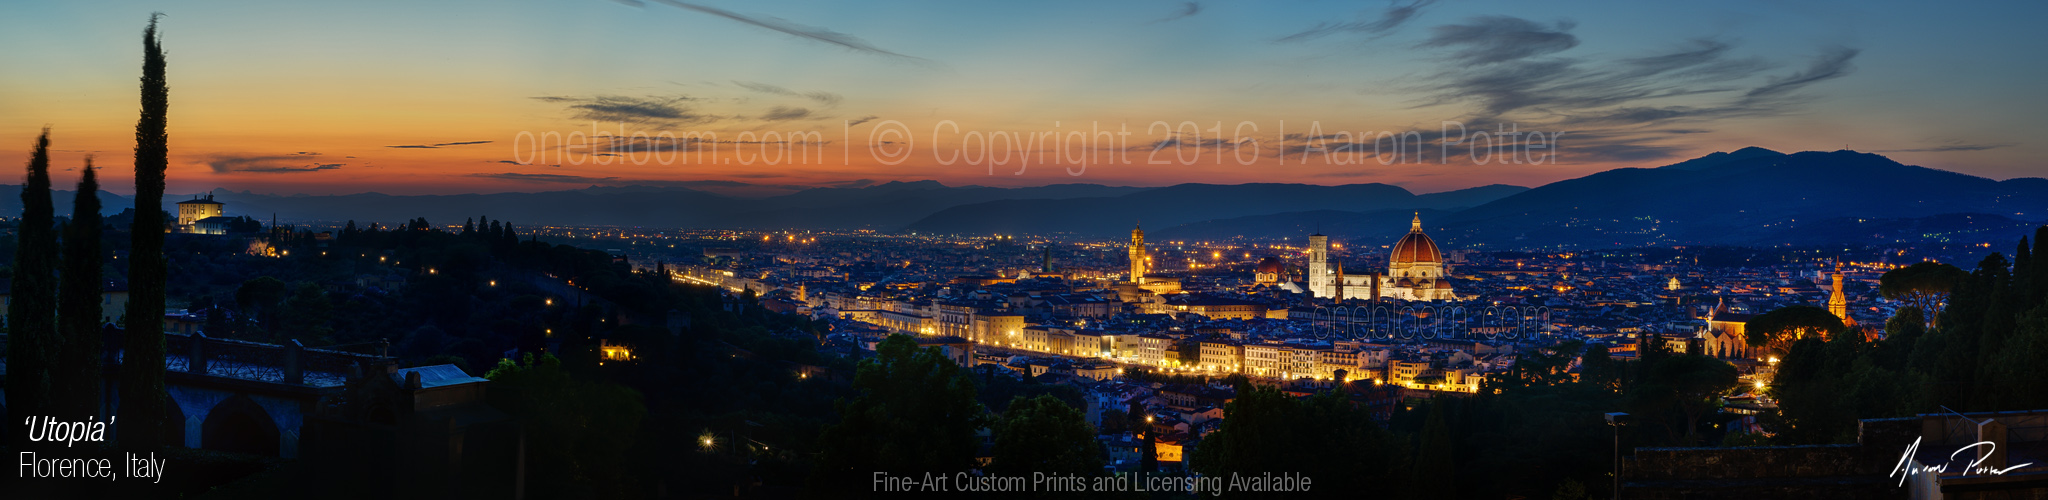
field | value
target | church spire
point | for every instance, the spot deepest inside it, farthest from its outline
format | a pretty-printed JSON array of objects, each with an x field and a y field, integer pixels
[{"x": 1416, "y": 226}]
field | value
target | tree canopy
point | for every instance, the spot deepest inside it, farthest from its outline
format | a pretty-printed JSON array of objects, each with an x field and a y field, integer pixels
[
  {"x": 1925, "y": 285},
  {"x": 1775, "y": 330}
]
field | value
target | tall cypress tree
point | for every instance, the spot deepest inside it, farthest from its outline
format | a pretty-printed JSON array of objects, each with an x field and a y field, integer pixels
[
  {"x": 143, "y": 400},
  {"x": 31, "y": 321},
  {"x": 78, "y": 313}
]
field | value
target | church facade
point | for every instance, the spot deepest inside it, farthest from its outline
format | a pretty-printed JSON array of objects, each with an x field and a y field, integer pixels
[{"x": 1415, "y": 271}]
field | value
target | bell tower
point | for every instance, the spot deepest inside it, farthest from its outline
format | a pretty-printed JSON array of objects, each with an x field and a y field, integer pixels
[{"x": 1138, "y": 254}]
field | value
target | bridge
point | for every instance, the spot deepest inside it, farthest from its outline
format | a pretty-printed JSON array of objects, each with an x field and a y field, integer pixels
[
  {"x": 252, "y": 397},
  {"x": 240, "y": 396}
]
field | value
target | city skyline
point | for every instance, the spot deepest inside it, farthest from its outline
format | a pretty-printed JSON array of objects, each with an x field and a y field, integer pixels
[{"x": 433, "y": 99}]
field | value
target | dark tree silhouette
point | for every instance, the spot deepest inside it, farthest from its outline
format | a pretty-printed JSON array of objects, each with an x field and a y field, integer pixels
[
  {"x": 1044, "y": 434},
  {"x": 1776, "y": 330},
  {"x": 143, "y": 399},
  {"x": 78, "y": 316},
  {"x": 31, "y": 320},
  {"x": 915, "y": 413},
  {"x": 1925, "y": 285}
]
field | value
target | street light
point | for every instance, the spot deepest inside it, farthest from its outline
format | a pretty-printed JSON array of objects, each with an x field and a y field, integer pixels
[{"x": 1616, "y": 420}]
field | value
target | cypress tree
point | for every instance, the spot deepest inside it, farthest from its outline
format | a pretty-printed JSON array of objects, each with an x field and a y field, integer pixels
[
  {"x": 78, "y": 313},
  {"x": 143, "y": 401},
  {"x": 31, "y": 322},
  {"x": 2037, "y": 292},
  {"x": 511, "y": 238}
]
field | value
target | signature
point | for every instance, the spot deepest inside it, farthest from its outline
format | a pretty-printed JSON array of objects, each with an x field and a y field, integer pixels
[{"x": 1907, "y": 468}]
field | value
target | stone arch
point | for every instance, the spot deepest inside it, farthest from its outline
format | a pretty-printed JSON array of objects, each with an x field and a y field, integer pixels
[
  {"x": 174, "y": 423},
  {"x": 240, "y": 425}
]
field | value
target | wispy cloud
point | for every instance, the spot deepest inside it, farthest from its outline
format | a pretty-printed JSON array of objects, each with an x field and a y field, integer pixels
[
  {"x": 267, "y": 164},
  {"x": 1513, "y": 72},
  {"x": 764, "y": 88},
  {"x": 861, "y": 120},
  {"x": 1945, "y": 147},
  {"x": 434, "y": 146},
  {"x": 784, "y": 113},
  {"x": 779, "y": 25},
  {"x": 821, "y": 97},
  {"x": 1186, "y": 11},
  {"x": 548, "y": 178},
  {"x": 1372, "y": 23},
  {"x": 624, "y": 109},
  {"x": 1494, "y": 39}
]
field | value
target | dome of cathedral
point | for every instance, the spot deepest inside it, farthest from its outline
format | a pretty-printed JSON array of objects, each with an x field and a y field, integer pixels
[
  {"x": 1415, "y": 247},
  {"x": 1271, "y": 265}
]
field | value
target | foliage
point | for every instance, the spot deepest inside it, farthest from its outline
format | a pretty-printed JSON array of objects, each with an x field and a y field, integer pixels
[
  {"x": 1924, "y": 285},
  {"x": 143, "y": 400},
  {"x": 1323, "y": 437},
  {"x": 915, "y": 413},
  {"x": 1693, "y": 384},
  {"x": 31, "y": 319},
  {"x": 1777, "y": 329},
  {"x": 579, "y": 429},
  {"x": 1044, "y": 435},
  {"x": 79, "y": 303}
]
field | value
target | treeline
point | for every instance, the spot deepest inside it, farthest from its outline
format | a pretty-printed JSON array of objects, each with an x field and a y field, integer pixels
[
  {"x": 55, "y": 333},
  {"x": 1535, "y": 432},
  {"x": 1979, "y": 348},
  {"x": 53, "y": 314}
]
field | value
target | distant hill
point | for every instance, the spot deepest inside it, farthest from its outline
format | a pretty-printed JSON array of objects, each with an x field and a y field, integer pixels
[
  {"x": 1748, "y": 197},
  {"x": 1187, "y": 203},
  {"x": 1751, "y": 196},
  {"x": 60, "y": 200},
  {"x": 881, "y": 206}
]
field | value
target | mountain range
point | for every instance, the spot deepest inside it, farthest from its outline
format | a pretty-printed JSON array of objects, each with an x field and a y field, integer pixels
[{"x": 1751, "y": 196}]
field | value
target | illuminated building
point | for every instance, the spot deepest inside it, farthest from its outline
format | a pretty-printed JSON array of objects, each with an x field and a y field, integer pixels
[
  {"x": 190, "y": 212},
  {"x": 1138, "y": 254},
  {"x": 1415, "y": 271},
  {"x": 1269, "y": 271},
  {"x": 1838, "y": 302}
]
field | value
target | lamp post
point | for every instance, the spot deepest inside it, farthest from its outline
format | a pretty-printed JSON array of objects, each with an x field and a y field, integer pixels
[{"x": 1616, "y": 420}]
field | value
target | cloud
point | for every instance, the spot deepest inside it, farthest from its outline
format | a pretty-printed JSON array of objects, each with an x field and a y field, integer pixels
[
  {"x": 555, "y": 178},
  {"x": 1948, "y": 146},
  {"x": 782, "y": 113},
  {"x": 785, "y": 27},
  {"x": 861, "y": 120},
  {"x": 826, "y": 98},
  {"x": 1186, "y": 11},
  {"x": 268, "y": 164},
  {"x": 429, "y": 146},
  {"x": 1495, "y": 39},
  {"x": 764, "y": 88},
  {"x": 624, "y": 109},
  {"x": 822, "y": 97},
  {"x": 1395, "y": 15},
  {"x": 1830, "y": 64}
]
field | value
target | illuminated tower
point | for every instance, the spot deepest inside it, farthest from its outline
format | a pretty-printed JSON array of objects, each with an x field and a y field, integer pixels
[
  {"x": 1838, "y": 303},
  {"x": 1138, "y": 254},
  {"x": 1318, "y": 265}
]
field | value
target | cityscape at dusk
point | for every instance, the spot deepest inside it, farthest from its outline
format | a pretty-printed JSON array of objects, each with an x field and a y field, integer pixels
[{"x": 1403, "y": 249}]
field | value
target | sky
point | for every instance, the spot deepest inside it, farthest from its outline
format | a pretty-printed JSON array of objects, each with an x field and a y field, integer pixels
[{"x": 407, "y": 97}]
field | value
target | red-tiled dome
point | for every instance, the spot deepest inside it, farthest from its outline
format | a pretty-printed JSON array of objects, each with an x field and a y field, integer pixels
[
  {"x": 1416, "y": 247},
  {"x": 1271, "y": 265}
]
